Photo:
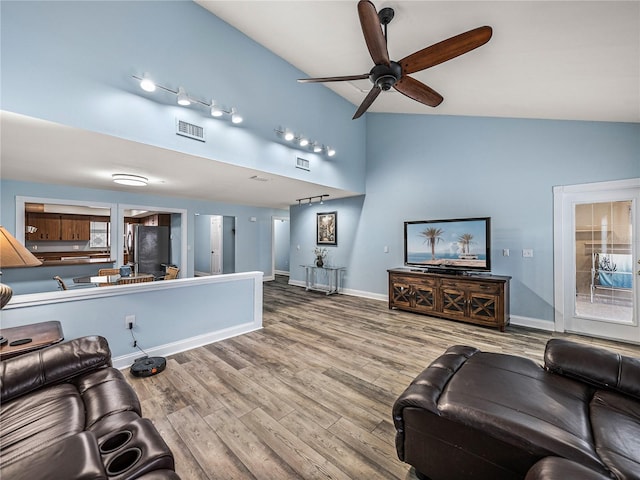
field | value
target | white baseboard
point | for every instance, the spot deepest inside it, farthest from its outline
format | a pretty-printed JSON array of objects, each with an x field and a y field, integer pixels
[
  {"x": 529, "y": 322},
  {"x": 518, "y": 320},
  {"x": 125, "y": 361},
  {"x": 282, "y": 272}
]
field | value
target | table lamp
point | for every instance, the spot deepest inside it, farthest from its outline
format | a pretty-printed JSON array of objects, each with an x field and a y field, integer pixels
[{"x": 12, "y": 254}]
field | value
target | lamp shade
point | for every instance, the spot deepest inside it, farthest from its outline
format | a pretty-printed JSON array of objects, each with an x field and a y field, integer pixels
[{"x": 13, "y": 253}]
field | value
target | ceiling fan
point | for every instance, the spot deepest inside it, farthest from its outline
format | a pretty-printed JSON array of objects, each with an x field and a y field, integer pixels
[{"x": 386, "y": 73}]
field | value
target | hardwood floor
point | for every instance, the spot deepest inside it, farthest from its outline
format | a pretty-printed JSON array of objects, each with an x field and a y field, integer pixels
[{"x": 310, "y": 395}]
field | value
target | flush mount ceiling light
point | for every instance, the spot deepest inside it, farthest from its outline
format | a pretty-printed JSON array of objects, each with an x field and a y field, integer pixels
[
  {"x": 131, "y": 180},
  {"x": 303, "y": 142},
  {"x": 185, "y": 100}
]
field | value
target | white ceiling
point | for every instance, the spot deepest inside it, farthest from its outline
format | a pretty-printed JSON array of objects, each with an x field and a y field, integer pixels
[
  {"x": 552, "y": 60},
  {"x": 40, "y": 151},
  {"x": 569, "y": 60}
]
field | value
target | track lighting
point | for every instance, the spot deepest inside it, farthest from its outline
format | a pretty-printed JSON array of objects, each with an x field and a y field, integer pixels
[
  {"x": 185, "y": 100},
  {"x": 309, "y": 200},
  {"x": 147, "y": 84},
  {"x": 235, "y": 116},
  {"x": 303, "y": 142},
  {"x": 216, "y": 111}
]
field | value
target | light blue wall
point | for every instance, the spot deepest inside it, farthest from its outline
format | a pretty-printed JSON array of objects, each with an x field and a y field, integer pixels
[
  {"x": 252, "y": 255},
  {"x": 417, "y": 167},
  {"x": 169, "y": 316},
  {"x": 432, "y": 167},
  {"x": 71, "y": 63}
]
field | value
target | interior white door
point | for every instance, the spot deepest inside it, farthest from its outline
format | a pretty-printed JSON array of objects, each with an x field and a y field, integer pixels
[
  {"x": 216, "y": 244},
  {"x": 599, "y": 252}
]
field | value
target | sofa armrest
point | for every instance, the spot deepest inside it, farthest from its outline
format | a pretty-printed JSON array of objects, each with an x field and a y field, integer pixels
[
  {"x": 556, "y": 468},
  {"x": 593, "y": 365},
  {"x": 425, "y": 390},
  {"x": 58, "y": 363},
  {"x": 75, "y": 457}
]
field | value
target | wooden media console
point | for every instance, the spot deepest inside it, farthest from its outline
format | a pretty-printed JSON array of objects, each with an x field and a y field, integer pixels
[{"x": 472, "y": 298}]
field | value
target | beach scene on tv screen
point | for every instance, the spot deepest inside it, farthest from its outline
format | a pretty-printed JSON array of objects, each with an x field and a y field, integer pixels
[{"x": 460, "y": 244}]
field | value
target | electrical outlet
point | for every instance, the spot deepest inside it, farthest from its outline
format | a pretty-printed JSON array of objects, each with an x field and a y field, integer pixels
[
  {"x": 129, "y": 322},
  {"x": 505, "y": 252},
  {"x": 527, "y": 252}
]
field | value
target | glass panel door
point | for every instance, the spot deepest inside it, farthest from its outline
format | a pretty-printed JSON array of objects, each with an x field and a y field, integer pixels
[
  {"x": 604, "y": 267},
  {"x": 596, "y": 252}
]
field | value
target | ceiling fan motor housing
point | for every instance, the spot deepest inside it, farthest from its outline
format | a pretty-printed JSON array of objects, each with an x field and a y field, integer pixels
[{"x": 385, "y": 77}]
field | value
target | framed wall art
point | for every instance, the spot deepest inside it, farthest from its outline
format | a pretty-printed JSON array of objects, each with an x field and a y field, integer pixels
[{"x": 327, "y": 228}]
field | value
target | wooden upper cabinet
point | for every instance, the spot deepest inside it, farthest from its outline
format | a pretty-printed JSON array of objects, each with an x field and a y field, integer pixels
[
  {"x": 75, "y": 227},
  {"x": 47, "y": 225},
  {"x": 157, "y": 220},
  {"x": 58, "y": 227}
]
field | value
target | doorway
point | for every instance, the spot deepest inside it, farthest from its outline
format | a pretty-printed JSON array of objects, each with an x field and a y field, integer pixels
[
  {"x": 214, "y": 245},
  {"x": 281, "y": 241},
  {"x": 596, "y": 257}
]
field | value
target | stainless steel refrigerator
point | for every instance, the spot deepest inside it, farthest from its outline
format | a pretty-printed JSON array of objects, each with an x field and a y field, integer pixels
[{"x": 150, "y": 248}]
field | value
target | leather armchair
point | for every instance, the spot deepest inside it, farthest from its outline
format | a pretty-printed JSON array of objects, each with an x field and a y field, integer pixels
[
  {"x": 474, "y": 414},
  {"x": 67, "y": 414}
]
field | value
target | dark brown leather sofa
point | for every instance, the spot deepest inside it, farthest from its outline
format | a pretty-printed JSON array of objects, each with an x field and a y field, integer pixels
[
  {"x": 66, "y": 414},
  {"x": 479, "y": 415}
]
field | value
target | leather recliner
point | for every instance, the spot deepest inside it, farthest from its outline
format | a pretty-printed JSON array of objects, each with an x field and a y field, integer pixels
[
  {"x": 477, "y": 415},
  {"x": 66, "y": 414}
]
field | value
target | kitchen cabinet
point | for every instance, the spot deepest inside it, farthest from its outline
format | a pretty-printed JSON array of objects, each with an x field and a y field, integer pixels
[
  {"x": 56, "y": 227},
  {"x": 157, "y": 220},
  {"x": 478, "y": 299},
  {"x": 75, "y": 227},
  {"x": 47, "y": 225}
]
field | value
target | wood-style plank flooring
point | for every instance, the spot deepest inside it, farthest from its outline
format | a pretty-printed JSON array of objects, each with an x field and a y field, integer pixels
[{"x": 309, "y": 396}]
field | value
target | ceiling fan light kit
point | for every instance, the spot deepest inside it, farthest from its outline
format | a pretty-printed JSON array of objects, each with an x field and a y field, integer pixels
[
  {"x": 303, "y": 142},
  {"x": 183, "y": 99},
  {"x": 387, "y": 74}
]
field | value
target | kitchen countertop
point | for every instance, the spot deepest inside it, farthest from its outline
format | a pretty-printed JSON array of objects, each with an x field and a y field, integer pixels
[{"x": 73, "y": 258}]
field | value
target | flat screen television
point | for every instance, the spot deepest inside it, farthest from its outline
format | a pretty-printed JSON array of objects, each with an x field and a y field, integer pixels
[{"x": 458, "y": 244}]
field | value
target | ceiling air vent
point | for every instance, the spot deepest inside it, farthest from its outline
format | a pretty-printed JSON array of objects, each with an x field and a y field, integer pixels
[
  {"x": 189, "y": 130},
  {"x": 303, "y": 164}
]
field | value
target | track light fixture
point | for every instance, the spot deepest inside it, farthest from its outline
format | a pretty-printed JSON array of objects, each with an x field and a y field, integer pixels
[
  {"x": 185, "y": 100},
  {"x": 147, "y": 84},
  {"x": 304, "y": 142},
  {"x": 309, "y": 200}
]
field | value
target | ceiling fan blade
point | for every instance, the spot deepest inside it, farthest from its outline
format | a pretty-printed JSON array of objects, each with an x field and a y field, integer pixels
[
  {"x": 368, "y": 100},
  {"x": 418, "y": 91},
  {"x": 372, "y": 30},
  {"x": 346, "y": 78},
  {"x": 445, "y": 50}
]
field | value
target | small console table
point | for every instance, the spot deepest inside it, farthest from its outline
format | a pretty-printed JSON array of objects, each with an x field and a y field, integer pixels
[{"x": 334, "y": 278}]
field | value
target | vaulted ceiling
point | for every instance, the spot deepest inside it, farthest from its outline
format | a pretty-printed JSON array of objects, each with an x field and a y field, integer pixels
[{"x": 569, "y": 60}]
